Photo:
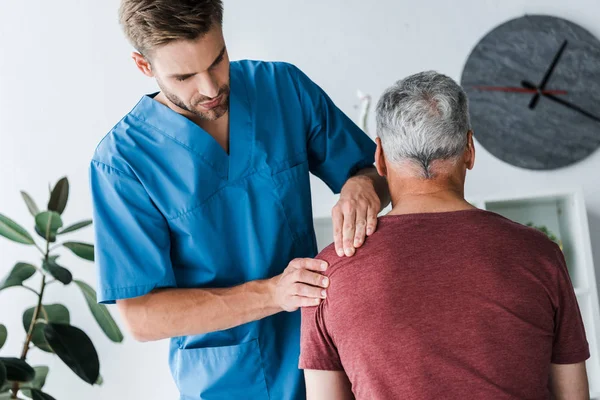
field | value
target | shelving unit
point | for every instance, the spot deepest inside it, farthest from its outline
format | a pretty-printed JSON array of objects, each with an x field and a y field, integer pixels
[{"x": 564, "y": 214}]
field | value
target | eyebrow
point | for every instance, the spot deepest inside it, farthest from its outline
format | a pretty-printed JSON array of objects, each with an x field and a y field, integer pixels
[{"x": 217, "y": 60}]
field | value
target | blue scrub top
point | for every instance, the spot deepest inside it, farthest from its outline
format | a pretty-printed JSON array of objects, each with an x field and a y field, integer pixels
[{"x": 173, "y": 209}]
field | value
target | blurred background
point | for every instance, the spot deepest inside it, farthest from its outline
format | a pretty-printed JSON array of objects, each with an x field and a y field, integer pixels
[{"x": 66, "y": 77}]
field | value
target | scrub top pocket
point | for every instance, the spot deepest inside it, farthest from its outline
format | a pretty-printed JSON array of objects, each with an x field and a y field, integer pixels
[
  {"x": 227, "y": 372},
  {"x": 292, "y": 185}
]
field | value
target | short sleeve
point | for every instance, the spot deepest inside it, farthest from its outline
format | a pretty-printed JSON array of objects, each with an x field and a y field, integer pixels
[
  {"x": 570, "y": 343},
  {"x": 337, "y": 148},
  {"x": 132, "y": 237},
  {"x": 317, "y": 349}
]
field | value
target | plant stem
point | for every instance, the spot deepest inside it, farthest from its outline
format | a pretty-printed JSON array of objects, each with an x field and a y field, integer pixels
[{"x": 36, "y": 314}]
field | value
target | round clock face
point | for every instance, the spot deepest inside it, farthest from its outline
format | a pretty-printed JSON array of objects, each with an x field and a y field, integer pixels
[{"x": 534, "y": 92}]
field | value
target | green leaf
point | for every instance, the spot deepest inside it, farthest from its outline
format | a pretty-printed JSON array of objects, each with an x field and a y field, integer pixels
[
  {"x": 3, "y": 336},
  {"x": 31, "y": 206},
  {"x": 19, "y": 274},
  {"x": 17, "y": 369},
  {"x": 41, "y": 373},
  {"x": 59, "y": 196},
  {"x": 13, "y": 231},
  {"x": 100, "y": 380},
  {"x": 48, "y": 223},
  {"x": 101, "y": 313},
  {"x": 76, "y": 350},
  {"x": 2, "y": 374},
  {"x": 39, "y": 395},
  {"x": 76, "y": 226},
  {"x": 83, "y": 250},
  {"x": 61, "y": 274},
  {"x": 43, "y": 235},
  {"x": 57, "y": 313}
]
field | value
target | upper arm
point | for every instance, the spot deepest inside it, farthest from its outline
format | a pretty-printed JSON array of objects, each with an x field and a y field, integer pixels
[
  {"x": 132, "y": 237},
  {"x": 336, "y": 147},
  {"x": 570, "y": 344},
  {"x": 569, "y": 381},
  {"x": 327, "y": 385},
  {"x": 317, "y": 348}
]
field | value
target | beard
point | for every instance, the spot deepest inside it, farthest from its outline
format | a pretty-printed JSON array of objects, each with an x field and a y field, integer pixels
[{"x": 195, "y": 108}]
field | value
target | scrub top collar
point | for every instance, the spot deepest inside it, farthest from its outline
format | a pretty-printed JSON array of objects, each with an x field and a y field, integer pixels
[{"x": 188, "y": 134}]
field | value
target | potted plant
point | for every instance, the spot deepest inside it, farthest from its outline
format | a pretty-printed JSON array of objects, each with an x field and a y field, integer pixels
[{"x": 48, "y": 326}]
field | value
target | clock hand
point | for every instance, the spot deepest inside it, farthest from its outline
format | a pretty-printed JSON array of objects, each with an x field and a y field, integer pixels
[
  {"x": 517, "y": 89},
  {"x": 529, "y": 85},
  {"x": 542, "y": 86},
  {"x": 572, "y": 106}
]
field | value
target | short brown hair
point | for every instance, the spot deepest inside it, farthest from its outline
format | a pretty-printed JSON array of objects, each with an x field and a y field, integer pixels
[{"x": 152, "y": 23}]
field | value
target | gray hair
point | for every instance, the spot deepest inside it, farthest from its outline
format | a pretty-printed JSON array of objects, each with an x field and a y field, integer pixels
[{"x": 423, "y": 118}]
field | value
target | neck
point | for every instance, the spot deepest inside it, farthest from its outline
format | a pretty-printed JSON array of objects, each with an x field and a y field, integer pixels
[
  {"x": 412, "y": 195},
  {"x": 218, "y": 129}
]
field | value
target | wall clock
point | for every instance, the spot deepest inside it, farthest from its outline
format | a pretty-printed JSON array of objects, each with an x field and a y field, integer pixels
[{"x": 534, "y": 92}]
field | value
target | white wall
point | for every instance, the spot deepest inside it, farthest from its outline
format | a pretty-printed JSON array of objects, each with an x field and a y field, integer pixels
[{"x": 66, "y": 79}]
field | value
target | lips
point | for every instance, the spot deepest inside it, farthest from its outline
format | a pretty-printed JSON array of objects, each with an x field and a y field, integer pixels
[{"x": 213, "y": 103}]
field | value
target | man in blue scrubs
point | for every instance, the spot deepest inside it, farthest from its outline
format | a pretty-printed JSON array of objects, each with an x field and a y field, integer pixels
[{"x": 202, "y": 204}]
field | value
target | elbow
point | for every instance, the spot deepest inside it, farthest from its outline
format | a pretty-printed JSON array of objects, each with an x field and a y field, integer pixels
[
  {"x": 135, "y": 317},
  {"x": 140, "y": 334}
]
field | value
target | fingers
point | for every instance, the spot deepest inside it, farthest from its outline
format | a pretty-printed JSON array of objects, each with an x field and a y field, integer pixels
[
  {"x": 299, "y": 301},
  {"x": 349, "y": 227},
  {"x": 371, "y": 221},
  {"x": 304, "y": 290},
  {"x": 310, "y": 264},
  {"x": 361, "y": 228},
  {"x": 338, "y": 221},
  {"x": 310, "y": 278}
]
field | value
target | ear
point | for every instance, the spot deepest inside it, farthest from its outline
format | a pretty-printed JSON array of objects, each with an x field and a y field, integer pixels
[
  {"x": 470, "y": 151},
  {"x": 143, "y": 64},
  {"x": 380, "y": 159}
]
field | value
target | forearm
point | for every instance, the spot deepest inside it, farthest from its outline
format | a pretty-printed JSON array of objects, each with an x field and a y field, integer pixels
[
  {"x": 379, "y": 184},
  {"x": 167, "y": 313}
]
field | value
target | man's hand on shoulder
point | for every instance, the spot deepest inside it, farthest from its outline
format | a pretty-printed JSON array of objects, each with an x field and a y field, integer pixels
[{"x": 355, "y": 214}]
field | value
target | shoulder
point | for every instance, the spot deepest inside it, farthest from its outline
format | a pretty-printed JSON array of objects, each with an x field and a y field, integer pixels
[
  {"x": 118, "y": 146},
  {"x": 336, "y": 263},
  {"x": 264, "y": 68},
  {"x": 500, "y": 232}
]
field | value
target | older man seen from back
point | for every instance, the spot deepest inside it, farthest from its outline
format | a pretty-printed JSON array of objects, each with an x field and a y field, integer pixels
[{"x": 444, "y": 300}]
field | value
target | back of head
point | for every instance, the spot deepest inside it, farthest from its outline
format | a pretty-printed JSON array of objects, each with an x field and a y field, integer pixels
[
  {"x": 152, "y": 23},
  {"x": 423, "y": 119}
]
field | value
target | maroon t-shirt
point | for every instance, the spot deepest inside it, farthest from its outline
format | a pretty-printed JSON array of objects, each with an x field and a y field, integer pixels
[{"x": 455, "y": 305}]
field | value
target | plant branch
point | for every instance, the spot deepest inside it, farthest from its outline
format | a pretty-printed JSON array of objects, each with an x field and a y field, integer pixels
[
  {"x": 39, "y": 248},
  {"x": 56, "y": 246},
  {"x": 30, "y": 289}
]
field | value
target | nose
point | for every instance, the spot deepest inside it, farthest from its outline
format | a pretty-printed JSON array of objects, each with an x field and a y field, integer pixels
[{"x": 208, "y": 85}]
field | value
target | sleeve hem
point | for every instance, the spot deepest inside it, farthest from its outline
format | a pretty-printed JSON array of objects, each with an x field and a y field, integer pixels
[
  {"x": 571, "y": 358},
  {"x": 336, "y": 188},
  {"x": 111, "y": 295},
  {"x": 320, "y": 364}
]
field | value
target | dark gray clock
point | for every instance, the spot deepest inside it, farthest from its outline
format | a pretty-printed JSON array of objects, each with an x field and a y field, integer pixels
[{"x": 534, "y": 91}]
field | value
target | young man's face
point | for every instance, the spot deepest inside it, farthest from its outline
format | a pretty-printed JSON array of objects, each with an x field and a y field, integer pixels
[{"x": 193, "y": 75}]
